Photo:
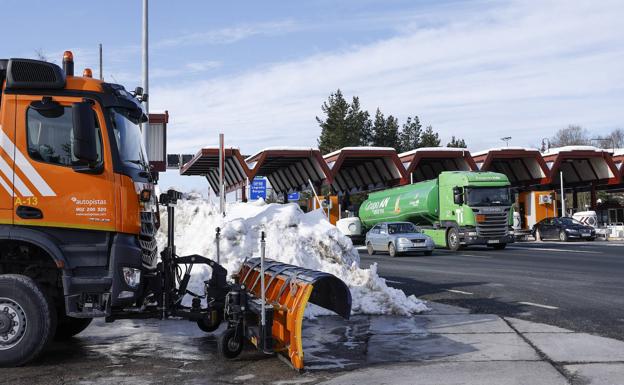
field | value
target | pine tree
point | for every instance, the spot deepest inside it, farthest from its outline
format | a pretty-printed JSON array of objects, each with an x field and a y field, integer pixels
[
  {"x": 459, "y": 143},
  {"x": 410, "y": 134},
  {"x": 392, "y": 133},
  {"x": 379, "y": 129},
  {"x": 358, "y": 125},
  {"x": 334, "y": 131},
  {"x": 429, "y": 138}
]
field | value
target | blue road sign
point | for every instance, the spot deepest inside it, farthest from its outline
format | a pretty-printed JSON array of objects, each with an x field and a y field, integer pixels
[
  {"x": 258, "y": 189},
  {"x": 293, "y": 196}
]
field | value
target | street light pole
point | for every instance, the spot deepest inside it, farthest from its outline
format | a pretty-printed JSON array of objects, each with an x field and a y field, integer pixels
[
  {"x": 506, "y": 139},
  {"x": 145, "y": 71}
]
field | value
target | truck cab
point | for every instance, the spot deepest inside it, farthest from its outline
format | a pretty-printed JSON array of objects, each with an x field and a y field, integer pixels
[{"x": 77, "y": 209}]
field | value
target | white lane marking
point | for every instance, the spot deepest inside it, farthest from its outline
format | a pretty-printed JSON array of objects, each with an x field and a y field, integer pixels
[
  {"x": 459, "y": 292},
  {"x": 17, "y": 182},
  {"x": 23, "y": 164},
  {"x": 539, "y": 305},
  {"x": 559, "y": 250},
  {"x": 475, "y": 256},
  {"x": 391, "y": 281}
]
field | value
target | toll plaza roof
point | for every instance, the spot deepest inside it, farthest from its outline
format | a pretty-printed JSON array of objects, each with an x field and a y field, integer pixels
[
  {"x": 581, "y": 165},
  {"x": 428, "y": 162},
  {"x": 289, "y": 169},
  {"x": 618, "y": 159},
  {"x": 206, "y": 163},
  {"x": 522, "y": 166},
  {"x": 354, "y": 169}
]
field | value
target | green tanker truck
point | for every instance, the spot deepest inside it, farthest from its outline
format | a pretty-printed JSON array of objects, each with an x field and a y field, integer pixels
[{"x": 459, "y": 208}]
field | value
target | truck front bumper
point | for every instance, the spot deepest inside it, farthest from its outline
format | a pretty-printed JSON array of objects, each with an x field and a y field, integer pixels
[{"x": 476, "y": 240}]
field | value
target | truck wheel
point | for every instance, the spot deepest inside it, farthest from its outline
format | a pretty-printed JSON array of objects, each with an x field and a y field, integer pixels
[
  {"x": 210, "y": 326},
  {"x": 230, "y": 343},
  {"x": 26, "y": 324},
  {"x": 500, "y": 246},
  {"x": 452, "y": 239},
  {"x": 68, "y": 327},
  {"x": 563, "y": 236},
  {"x": 392, "y": 250},
  {"x": 369, "y": 248}
]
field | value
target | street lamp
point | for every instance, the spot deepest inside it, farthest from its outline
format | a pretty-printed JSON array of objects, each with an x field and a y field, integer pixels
[{"x": 506, "y": 139}]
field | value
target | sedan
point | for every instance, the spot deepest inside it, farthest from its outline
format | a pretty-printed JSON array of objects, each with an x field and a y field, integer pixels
[
  {"x": 563, "y": 229},
  {"x": 397, "y": 238}
]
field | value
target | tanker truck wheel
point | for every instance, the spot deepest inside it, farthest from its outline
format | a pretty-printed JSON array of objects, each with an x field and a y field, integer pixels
[
  {"x": 26, "y": 320},
  {"x": 452, "y": 239},
  {"x": 230, "y": 343},
  {"x": 369, "y": 248}
]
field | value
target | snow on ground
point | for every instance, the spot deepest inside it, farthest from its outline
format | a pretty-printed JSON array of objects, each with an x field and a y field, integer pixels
[{"x": 292, "y": 236}]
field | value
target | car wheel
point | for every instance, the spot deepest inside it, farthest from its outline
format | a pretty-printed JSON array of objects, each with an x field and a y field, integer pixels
[
  {"x": 563, "y": 236},
  {"x": 369, "y": 248},
  {"x": 392, "y": 250},
  {"x": 452, "y": 239}
]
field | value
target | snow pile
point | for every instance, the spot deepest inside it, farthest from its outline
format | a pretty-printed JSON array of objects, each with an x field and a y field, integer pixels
[{"x": 294, "y": 237}]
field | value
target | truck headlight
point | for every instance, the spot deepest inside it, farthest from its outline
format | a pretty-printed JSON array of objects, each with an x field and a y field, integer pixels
[{"x": 132, "y": 277}]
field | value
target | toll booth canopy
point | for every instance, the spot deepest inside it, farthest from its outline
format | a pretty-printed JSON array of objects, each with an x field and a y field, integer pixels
[
  {"x": 206, "y": 163},
  {"x": 580, "y": 165},
  {"x": 289, "y": 169},
  {"x": 428, "y": 162},
  {"x": 355, "y": 169},
  {"x": 523, "y": 166}
]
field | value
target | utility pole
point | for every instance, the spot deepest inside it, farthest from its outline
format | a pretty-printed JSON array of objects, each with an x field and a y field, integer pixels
[
  {"x": 145, "y": 71},
  {"x": 221, "y": 170},
  {"x": 101, "y": 71}
]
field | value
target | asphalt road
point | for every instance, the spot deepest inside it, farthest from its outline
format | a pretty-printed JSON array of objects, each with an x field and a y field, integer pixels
[{"x": 577, "y": 286}]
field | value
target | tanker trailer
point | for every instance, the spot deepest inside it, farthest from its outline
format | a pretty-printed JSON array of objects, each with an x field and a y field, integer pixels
[{"x": 459, "y": 208}]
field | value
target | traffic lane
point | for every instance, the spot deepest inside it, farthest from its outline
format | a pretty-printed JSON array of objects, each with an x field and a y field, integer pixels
[{"x": 584, "y": 287}]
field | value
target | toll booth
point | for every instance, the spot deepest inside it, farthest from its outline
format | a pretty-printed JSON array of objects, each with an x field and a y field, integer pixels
[
  {"x": 206, "y": 163},
  {"x": 428, "y": 162},
  {"x": 523, "y": 167},
  {"x": 536, "y": 205},
  {"x": 156, "y": 142}
]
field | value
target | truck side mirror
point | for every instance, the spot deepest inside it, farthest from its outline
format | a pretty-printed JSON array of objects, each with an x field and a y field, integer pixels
[
  {"x": 84, "y": 143},
  {"x": 458, "y": 196}
]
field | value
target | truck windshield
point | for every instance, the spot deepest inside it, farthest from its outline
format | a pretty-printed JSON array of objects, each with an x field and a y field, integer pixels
[
  {"x": 488, "y": 196},
  {"x": 401, "y": 228},
  {"x": 128, "y": 137}
]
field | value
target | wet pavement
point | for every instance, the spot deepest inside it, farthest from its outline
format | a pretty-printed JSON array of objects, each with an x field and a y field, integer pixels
[{"x": 443, "y": 343}]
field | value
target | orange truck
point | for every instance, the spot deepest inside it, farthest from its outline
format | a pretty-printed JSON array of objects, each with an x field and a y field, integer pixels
[{"x": 78, "y": 219}]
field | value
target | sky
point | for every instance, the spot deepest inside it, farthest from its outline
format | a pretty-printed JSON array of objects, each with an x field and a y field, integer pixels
[{"x": 258, "y": 71}]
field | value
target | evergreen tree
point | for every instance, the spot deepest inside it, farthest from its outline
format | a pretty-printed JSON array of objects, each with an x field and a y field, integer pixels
[
  {"x": 379, "y": 128},
  {"x": 392, "y": 133},
  {"x": 429, "y": 138},
  {"x": 334, "y": 132},
  {"x": 358, "y": 125},
  {"x": 410, "y": 134},
  {"x": 459, "y": 143}
]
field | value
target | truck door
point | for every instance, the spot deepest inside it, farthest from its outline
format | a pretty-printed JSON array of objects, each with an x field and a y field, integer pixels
[
  {"x": 7, "y": 133},
  {"x": 59, "y": 191}
]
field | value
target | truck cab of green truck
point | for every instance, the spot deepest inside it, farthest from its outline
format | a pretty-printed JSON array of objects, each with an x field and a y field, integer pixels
[{"x": 459, "y": 208}]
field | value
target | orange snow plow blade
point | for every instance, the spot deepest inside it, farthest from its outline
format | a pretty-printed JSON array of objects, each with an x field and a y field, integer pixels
[{"x": 288, "y": 289}]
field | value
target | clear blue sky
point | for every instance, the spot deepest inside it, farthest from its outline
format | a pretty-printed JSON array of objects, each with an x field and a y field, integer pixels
[{"x": 259, "y": 70}]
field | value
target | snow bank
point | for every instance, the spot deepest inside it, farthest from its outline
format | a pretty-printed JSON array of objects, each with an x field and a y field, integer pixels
[{"x": 294, "y": 237}]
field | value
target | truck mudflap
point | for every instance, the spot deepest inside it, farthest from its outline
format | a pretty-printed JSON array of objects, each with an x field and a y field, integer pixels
[{"x": 288, "y": 290}]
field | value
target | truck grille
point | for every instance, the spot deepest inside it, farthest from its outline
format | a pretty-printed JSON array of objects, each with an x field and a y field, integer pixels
[
  {"x": 495, "y": 225},
  {"x": 147, "y": 238}
]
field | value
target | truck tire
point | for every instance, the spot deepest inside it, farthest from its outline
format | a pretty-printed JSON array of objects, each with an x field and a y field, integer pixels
[
  {"x": 26, "y": 324},
  {"x": 369, "y": 249},
  {"x": 392, "y": 250},
  {"x": 68, "y": 327},
  {"x": 500, "y": 246},
  {"x": 452, "y": 239}
]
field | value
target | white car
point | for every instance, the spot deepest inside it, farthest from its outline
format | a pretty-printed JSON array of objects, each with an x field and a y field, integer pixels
[{"x": 397, "y": 238}]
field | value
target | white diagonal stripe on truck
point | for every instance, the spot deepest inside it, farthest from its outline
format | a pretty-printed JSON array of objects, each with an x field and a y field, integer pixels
[
  {"x": 17, "y": 182},
  {"x": 6, "y": 186},
  {"x": 23, "y": 164}
]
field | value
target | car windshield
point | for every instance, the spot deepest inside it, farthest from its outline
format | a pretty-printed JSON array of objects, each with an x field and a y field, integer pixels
[
  {"x": 569, "y": 221},
  {"x": 401, "y": 228},
  {"x": 128, "y": 137},
  {"x": 488, "y": 196}
]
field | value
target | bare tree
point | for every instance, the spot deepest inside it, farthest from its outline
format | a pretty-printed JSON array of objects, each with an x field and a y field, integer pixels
[
  {"x": 570, "y": 136},
  {"x": 41, "y": 55}
]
